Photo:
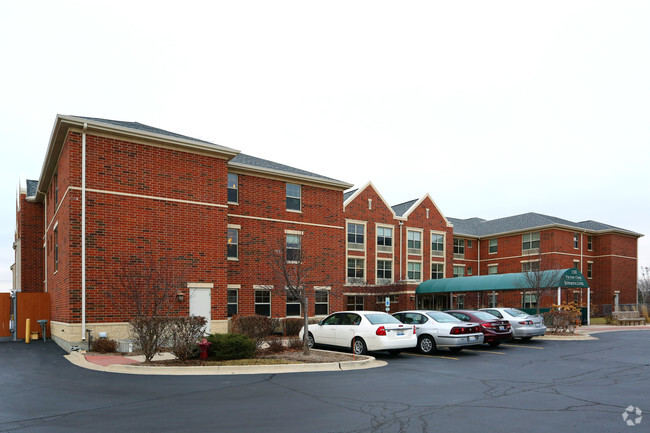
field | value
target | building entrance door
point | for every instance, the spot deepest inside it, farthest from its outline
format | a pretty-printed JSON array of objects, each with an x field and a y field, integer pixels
[{"x": 200, "y": 304}]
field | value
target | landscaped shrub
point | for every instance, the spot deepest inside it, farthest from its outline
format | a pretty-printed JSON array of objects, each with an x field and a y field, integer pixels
[
  {"x": 562, "y": 318},
  {"x": 294, "y": 343},
  {"x": 149, "y": 334},
  {"x": 276, "y": 345},
  {"x": 257, "y": 327},
  {"x": 184, "y": 334},
  {"x": 104, "y": 345},
  {"x": 293, "y": 326},
  {"x": 230, "y": 346}
]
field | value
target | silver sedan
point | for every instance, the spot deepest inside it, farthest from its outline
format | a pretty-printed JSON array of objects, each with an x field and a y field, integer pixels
[{"x": 524, "y": 325}]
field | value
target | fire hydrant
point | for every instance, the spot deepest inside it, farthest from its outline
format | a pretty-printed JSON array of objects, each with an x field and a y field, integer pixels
[{"x": 204, "y": 344}]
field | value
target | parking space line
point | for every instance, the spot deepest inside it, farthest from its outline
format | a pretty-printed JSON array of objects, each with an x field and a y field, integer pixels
[
  {"x": 433, "y": 356},
  {"x": 484, "y": 351},
  {"x": 527, "y": 347}
]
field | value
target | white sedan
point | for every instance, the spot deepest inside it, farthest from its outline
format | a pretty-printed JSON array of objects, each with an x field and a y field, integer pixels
[
  {"x": 437, "y": 329},
  {"x": 362, "y": 331}
]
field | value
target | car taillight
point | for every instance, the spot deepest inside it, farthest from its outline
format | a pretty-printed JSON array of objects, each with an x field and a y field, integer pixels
[
  {"x": 526, "y": 322},
  {"x": 486, "y": 325},
  {"x": 381, "y": 331},
  {"x": 463, "y": 330},
  {"x": 414, "y": 329}
]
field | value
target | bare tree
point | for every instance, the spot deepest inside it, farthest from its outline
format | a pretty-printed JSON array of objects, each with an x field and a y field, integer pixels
[
  {"x": 292, "y": 271},
  {"x": 146, "y": 294},
  {"x": 539, "y": 277},
  {"x": 644, "y": 285}
]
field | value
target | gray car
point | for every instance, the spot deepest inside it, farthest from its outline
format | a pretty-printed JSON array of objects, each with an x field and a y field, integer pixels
[
  {"x": 436, "y": 329},
  {"x": 524, "y": 325}
]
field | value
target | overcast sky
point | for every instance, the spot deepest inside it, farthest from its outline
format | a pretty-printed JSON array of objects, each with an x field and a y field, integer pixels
[{"x": 494, "y": 108}]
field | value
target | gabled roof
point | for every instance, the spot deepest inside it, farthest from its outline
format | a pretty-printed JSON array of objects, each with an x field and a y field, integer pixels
[
  {"x": 478, "y": 227},
  {"x": 350, "y": 196},
  {"x": 402, "y": 208},
  {"x": 270, "y": 167}
]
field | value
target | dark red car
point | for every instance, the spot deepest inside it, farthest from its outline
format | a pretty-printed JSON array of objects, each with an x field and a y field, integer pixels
[{"x": 495, "y": 330}]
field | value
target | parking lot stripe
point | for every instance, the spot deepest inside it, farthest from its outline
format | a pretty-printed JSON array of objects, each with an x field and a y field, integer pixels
[
  {"x": 434, "y": 356},
  {"x": 526, "y": 347},
  {"x": 484, "y": 351}
]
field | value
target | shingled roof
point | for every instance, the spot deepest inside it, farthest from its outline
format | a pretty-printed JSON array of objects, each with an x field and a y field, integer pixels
[
  {"x": 478, "y": 227},
  {"x": 402, "y": 208}
]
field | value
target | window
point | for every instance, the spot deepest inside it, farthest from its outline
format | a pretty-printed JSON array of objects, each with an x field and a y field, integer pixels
[
  {"x": 384, "y": 271},
  {"x": 384, "y": 239},
  {"x": 459, "y": 271},
  {"x": 470, "y": 271},
  {"x": 263, "y": 302},
  {"x": 356, "y": 236},
  {"x": 233, "y": 188},
  {"x": 437, "y": 244},
  {"x": 56, "y": 249},
  {"x": 492, "y": 300},
  {"x": 293, "y": 197},
  {"x": 576, "y": 264},
  {"x": 355, "y": 271},
  {"x": 414, "y": 271},
  {"x": 530, "y": 241},
  {"x": 589, "y": 243},
  {"x": 355, "y": 303},
  {"x": 233, "y": 243},
  {"x": 233, "y": 301},
  {"x": 494, "y": 246},
  {"x": 321, "y": 302},
  {"x": 590, "y": 269},
  {"x": 293, "y": 304},
  {"x": 576, "y": 297},
  {"x": 493, "y": 269},
  {"x": 576, "y": 240},
  {"x": 460, "y": 302},
  {"x": 530, "y": 266},
  {"x": 459, "y": 248},
  {"x": 469, "y": 243},
  {"x": 529, "y": 300},
  {"x": 293, "y": 248},
  {"x": 414, "y": 242},
  {"x": 437, "y": 271}
]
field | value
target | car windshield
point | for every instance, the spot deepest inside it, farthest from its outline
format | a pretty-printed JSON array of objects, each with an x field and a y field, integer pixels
[
  {"x": 484, "y": 316},
  {"x": 515, "y": 313},
  {"x": 380, "y": 318},
  {"x": 441, "y": 317}
]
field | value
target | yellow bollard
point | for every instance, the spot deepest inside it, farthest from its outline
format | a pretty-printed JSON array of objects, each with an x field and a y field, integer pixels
[{"x": 27, "y": 331}]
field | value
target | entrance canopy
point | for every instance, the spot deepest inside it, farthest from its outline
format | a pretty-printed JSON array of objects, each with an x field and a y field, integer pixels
[{"x": 571, "y": 277}]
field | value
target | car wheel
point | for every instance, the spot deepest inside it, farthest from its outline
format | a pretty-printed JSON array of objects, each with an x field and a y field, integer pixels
[
  {"x": 494, "y": 343},
  {"x": 455, "y": 349},
  {"x": 395, "y": 352},
  {"x": 359, "y": 346},
  {"x": 310, "y": 340},
  {"x": 427, "y": 344}
]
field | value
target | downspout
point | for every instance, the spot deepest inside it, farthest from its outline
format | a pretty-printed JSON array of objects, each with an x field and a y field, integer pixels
[
  {"x": 45, "y": 242},
  {"x": 401, "y": 253},
  {"x": 83, "y": 232},
  {"x": 478, "y": 241}
]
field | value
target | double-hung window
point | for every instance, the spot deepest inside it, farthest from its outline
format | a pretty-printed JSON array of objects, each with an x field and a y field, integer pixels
[
  {"x": 494, "y": 246},
  {"x": 437, "y": 244},
  {"x": 414, "y": 271},
  {"x": 459, "y": 271},
  {"x": 356, "y": 236},
  {"x": 530, "y": 242},
  {"x": 414, "y": 242},
  {"x": 233, "y": 302},
  {"x": 384, "y": 239},
  {"x": 459, "y": 248},
  {"x": 321, "y": 302},
  {"x": 293, "y": 304},
  {"x": 356, "y": 270},
  {"x": 294, "y": 197},
  {"x": 233, "y": 243},
  {"x": 293, "y": 248},
  {"x": 437, "y": 271},
  {"x": 263, "y": 302},
  {"x": 384, "y": 271},
  {"x": 233, "y": 188}
]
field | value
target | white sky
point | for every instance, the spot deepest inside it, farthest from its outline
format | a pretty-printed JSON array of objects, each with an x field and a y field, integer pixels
[{"x": 494, "y": 108}]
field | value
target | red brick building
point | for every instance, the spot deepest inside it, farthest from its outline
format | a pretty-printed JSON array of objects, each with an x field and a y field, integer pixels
[{"x": 113, "y": 192}]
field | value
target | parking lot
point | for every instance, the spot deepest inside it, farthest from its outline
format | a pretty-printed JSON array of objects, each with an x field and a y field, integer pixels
[{"x": 537, "y": 386}]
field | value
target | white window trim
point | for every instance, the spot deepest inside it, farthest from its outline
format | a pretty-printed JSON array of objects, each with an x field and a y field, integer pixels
[
  {"x": 416, "y": 230},
  {"x": 444, "y": 243},
  {"x": 365, "y": 270},
  {"x": 444, "y": 267},
  {"x": 421, "y": 270},
  {"x": 392, "y": 270},
  {"x": 392, "y": 246},
  {"x": 365, "y": 235}
]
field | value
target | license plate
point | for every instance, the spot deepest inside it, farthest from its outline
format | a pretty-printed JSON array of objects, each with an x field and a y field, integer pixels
[
  {"x": 538, "y": 325},
  {"x": 474, "y": 338},
  {"x": 501, "y": 328},
  {"x": 400, "y": 332}
]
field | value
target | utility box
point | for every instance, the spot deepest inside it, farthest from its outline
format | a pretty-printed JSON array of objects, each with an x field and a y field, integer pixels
[{"x": 125, "y": 346}]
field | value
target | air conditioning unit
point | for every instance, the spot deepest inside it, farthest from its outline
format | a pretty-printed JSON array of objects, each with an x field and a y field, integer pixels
[{"x": 125, "y": 346}]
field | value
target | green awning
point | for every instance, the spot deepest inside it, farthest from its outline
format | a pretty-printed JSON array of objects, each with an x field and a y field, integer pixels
[{"x": 571, "y": 277}]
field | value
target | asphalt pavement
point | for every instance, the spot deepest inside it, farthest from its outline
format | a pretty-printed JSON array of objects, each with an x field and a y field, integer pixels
[{"x": 540, "y": 386}]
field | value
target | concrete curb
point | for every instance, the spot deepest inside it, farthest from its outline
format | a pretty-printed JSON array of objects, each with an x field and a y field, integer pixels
[
  {"x": 577, "y": 337},
  {"x": 79, "y": 360}
]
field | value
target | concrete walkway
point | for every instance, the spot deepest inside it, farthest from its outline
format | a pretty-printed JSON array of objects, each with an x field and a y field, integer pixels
[{"x": 585, "y": 332}]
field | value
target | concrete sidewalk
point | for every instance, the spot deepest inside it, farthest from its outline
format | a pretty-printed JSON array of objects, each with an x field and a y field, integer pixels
[
  {"x": 128, "y": 365},
  {"x": 585, "y": 332}
]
